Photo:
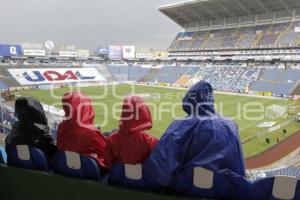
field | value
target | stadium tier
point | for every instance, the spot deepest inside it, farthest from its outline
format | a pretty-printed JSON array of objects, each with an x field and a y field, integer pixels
[
  {"x": 267, "y": 36},
  {"x": 234, "y": 24},
  {"x": 233, "y": 77}
]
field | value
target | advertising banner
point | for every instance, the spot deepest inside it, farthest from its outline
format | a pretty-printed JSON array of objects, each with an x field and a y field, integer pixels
[
  {"x": 128, "y": 52},
  {"x": 34, "y": 46},
  {"x": 64, "y": 47},
  {"x": 68, "y": 54},
  {"x": 83, "y": 53},
  {"x": 115, "y": 52},
  {"x": 102, "y": 51},
  {"x": 297, "y": 29},
  {"x": 160, "y": 54},
  {"x": 145, "y": 55},
  {"x": 34, "y": 52},
  {"x": 36, "y": 76},
  {"x": 10, "y": 50}
]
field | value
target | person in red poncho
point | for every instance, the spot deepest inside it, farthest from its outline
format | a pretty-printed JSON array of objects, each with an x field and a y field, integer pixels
[
  {"x": 130, "y": 144},
  {"x": 77, "y": 132}
]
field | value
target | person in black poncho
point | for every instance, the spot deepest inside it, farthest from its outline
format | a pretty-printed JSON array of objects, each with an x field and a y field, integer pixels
[{"x": 32, "y": 127}]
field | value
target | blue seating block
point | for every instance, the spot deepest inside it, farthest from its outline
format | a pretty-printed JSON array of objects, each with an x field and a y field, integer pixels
[
  {"x": 3, "y": 156},
  {"x": 75, "y": 165},
  {"x": 27, "y": 157},
  {"x": 276, "y": 188}
]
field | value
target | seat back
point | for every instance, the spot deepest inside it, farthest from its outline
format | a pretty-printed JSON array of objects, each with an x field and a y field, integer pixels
[
  {"x": 27, "y": 157},
  {"x": 196, "y": 181},
  {"x": 127, "y": 175},
  {"x": 75, "y": 165},
  {"x": 201, "y": 182},
  {"x": 3, "y": 156},
  {"x": 276, "y": 188}
]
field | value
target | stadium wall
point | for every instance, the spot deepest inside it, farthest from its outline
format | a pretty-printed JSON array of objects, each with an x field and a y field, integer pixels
[{"x": 24, "y": 184}]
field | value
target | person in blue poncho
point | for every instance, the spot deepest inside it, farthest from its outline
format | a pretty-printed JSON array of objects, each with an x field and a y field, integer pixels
[{"x": 203, "y": 139}]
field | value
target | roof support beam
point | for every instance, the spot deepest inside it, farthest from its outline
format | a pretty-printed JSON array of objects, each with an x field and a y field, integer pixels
[
  {"x": 211, "y": 13},
  {"x": 242, "y": 6},
  {"x": 262, "y": 5},
  {"x": 184, "y": 17},
  {"x": 194, "y": 13},
  {"x": 225, "y": 9},
  {"x": 284, "y": 5}
]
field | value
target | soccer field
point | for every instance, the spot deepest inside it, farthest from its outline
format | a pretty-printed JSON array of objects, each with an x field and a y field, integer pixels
[{"x": 165, "y": 105}]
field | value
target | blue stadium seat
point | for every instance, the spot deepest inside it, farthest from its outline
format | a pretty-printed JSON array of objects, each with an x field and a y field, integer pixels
[
  {"x": 276, "y": 188},
  {"x": 75, "y": 165},
  {"x": 27, "y": 157},
  {"x": 127, "y": 175},
  {"x": 200, "y": 182},
  {"x": 131, "y": 176},
  {"x": 3, "y": 157}
]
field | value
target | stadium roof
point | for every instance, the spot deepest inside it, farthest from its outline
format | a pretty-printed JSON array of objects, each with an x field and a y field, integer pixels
[{"x": 192, "y": 11}]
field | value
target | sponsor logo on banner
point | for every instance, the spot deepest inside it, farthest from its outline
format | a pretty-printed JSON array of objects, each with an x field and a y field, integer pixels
[
  {"x": 297, "y": 29},
  {"x": 33, "y": 52},
  {"x": 115, "y": 52},
  {"x": 10, "y": 50},
  {"x": 146, "y": 55},
  {"x": 128, "y": 52},
  {"x": 68, "y": 54},
  {"x": 83, "y": 53},
  {"x": 64, "y": 47},
  {"x": 102, "y": 50},
  {"x": 32, "y": 46},
  {"x": 37, "y": 76},
  {"x": 49, "y": 45},
  {"x": 160, "y": 54}
]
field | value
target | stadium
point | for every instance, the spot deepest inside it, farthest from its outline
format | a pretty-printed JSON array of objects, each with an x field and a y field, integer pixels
[{"x": 249, "y": 51}]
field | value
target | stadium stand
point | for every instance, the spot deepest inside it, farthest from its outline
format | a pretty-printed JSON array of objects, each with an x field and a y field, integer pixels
[
  {"x": 136, "y": 73},
  {"x": 260, "y": 36},
  {"x": 6, "y": 78},
  {"x": 103, "y": 70},
  {"x": 276, "y": 88},
  {"x": 288, "y": 171},
  {"x": 255, "y": 175},
  {"x": 228, "y": 25},
  {"x": 120, "y": 73},
  {"x": 170, "y": 74},
  {"x": 296, "y": 90},
  {"x": 152, "y": 73},
  {"x": 224, "y": 76},
  {"x": 278, "y": 81},
  {"x": 183, "y": 80}
]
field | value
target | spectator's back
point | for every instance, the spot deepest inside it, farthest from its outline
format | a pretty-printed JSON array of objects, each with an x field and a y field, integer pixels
[
  {"x": 202, "y": 139},
  {"x": 131, "y": 144}
]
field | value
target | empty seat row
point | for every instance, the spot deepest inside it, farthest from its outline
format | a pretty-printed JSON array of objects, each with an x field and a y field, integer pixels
[
  {"x": 196, "y": 181},
  {"x": 271, "y": 35}
]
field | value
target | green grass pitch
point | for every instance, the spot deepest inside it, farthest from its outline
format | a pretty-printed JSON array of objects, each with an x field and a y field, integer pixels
[{"x": 163, "y": 100}]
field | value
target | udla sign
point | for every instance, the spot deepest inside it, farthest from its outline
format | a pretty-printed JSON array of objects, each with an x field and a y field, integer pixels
[{"x": 50, "y": 76}]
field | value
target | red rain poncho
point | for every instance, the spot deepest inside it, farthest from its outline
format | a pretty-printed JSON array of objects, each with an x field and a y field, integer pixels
[
  {"x": 77, "y": 132},
  {"x": 130, "y": 144}
]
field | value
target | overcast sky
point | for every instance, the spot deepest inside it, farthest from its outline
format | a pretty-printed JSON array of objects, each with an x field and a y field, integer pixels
[{"x": 87, "y": 23}]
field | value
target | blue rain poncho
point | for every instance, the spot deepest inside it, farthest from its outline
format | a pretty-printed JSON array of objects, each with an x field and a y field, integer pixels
[{"x": 203, "y": 139}]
